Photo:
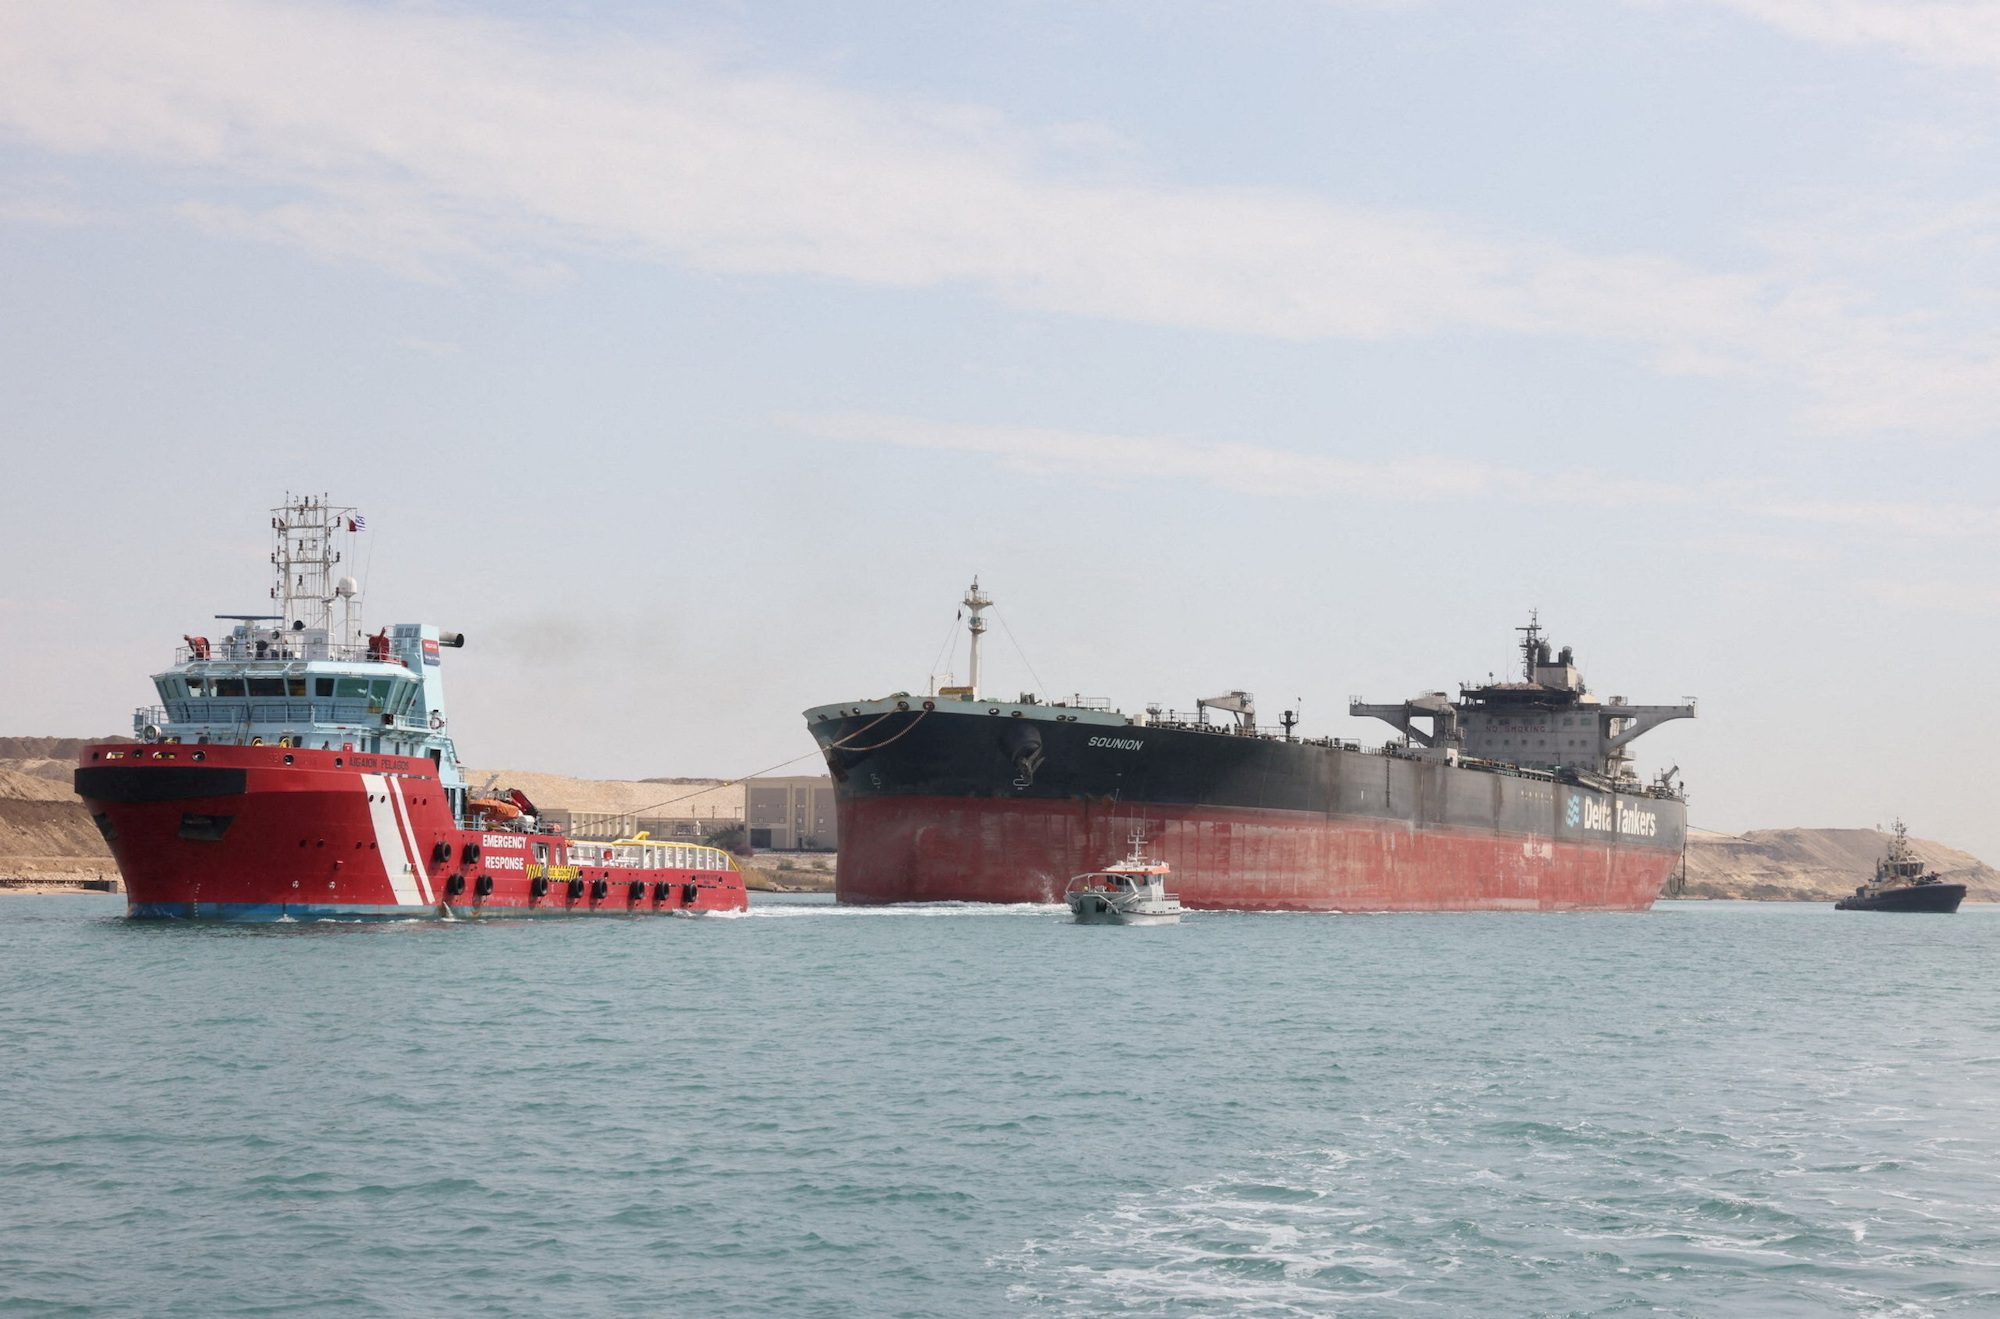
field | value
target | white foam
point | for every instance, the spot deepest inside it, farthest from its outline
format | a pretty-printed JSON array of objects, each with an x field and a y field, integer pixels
[
  {"x": 1230, "y": 1242},
  {"x": 791, "y": 910}
]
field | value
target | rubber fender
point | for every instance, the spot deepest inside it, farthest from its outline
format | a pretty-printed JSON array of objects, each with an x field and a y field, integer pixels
[{"x": 484, "y": 887}]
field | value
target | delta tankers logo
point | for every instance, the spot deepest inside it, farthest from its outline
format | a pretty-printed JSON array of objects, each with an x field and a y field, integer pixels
[{"x": 1608, "y": 817}]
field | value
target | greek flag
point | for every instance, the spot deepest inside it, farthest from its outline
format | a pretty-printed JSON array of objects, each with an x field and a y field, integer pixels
[{"x": 357, "y": 523}]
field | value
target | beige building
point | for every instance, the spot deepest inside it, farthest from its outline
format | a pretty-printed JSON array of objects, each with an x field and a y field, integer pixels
[{"x": 792, "y": 814}]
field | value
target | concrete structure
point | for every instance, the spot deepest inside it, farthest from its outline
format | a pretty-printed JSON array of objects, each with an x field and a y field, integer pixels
[
  {"x": 610, "y": 824},
  {"x": 793, "y": 814}
]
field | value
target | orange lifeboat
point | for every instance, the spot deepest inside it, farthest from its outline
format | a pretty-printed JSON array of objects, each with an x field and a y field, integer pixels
[{"x": 494, "y": 809}]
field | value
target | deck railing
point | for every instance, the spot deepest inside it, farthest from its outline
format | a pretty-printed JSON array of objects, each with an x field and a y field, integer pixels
[
  {"x": 238, "y": 650},
  {"x": 300, "y": 713},
  {"x": 650, "y": 855}
]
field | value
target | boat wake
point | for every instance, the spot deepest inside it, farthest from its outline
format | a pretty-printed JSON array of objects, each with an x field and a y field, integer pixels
[
  {"x": 1281, "y": 1242},
  {"x": 824, "y": 910}
]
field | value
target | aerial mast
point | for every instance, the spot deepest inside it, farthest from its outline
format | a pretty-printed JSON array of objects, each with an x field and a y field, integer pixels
[
  {"x": 307, "y": 535},
  {"x": 976, "y": 602},
  {"x": 1531, "y": 643}
]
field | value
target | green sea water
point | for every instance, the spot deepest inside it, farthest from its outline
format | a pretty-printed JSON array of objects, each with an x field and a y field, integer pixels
[{"x": 1709, "y": 1109}]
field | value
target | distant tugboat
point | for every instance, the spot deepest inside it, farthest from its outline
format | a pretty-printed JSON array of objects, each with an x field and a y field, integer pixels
[
  {"x": 1133, "y": 892},
  {"x": 1902, "y": 884}
]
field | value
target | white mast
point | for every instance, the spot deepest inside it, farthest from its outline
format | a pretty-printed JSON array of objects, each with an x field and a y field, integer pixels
[
  {"x": 307, "y": 534},
  {"x": 976, "y": 602}
]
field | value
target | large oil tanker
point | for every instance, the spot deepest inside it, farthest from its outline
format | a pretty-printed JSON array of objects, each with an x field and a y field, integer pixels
[
  {"x": 298, "y": 768},
  {"x": 1515, "y": 796}
]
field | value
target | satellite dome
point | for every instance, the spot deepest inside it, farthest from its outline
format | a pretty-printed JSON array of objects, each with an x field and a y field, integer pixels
[{"x": 347, "y": 588}]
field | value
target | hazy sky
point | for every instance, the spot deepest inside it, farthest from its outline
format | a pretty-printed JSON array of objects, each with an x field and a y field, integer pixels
[{"x": 691, "y": 358}]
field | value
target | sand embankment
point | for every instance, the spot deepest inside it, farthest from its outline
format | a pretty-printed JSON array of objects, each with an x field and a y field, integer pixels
[
  {"x": 1815, "y": 865},
  {"x": 45, "y": 834},
  {"x": 52, "y": 758}
]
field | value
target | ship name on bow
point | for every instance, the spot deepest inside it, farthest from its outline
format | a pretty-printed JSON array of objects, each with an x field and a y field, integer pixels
[{"x": 1599, "y": 816}]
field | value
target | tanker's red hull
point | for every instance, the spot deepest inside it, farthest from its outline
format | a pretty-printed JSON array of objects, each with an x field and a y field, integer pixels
[
  {"x": 271, "y": 833},
  {"x": 938, "y": 849}
]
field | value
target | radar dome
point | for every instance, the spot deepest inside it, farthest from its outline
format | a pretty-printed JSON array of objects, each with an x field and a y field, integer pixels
[{"x": 347, "y": 588}]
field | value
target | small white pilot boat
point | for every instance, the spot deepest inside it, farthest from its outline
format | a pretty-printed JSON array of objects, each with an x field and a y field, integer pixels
[{"x": 1133, "y": 892}]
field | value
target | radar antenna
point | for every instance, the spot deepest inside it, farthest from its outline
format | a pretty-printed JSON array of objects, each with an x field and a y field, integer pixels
[{"x": 1531, "y": 643}]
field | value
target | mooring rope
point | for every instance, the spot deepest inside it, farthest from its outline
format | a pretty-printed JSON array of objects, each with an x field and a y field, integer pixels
[{"x": 841, "y": 745}]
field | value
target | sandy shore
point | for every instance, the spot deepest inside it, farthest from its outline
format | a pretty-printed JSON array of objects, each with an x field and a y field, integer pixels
[{"x": 789, "y": 872}]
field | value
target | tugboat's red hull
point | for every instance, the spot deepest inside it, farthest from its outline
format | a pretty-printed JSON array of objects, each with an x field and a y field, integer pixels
[
  {"x": 934, "y": 849},
  {"x": 270, "y": 833}
]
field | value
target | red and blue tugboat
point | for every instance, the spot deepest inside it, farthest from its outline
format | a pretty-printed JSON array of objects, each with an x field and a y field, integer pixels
[{"x": 301, "y": 768}]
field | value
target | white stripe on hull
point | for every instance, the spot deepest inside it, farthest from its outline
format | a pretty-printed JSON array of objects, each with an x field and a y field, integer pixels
[
  {"x": 397, "y": 865},
  {"x": 409, "y": 835}
]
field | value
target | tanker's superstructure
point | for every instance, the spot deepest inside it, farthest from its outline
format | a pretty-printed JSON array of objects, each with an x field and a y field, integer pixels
[
  {"x": 1517, "y": 795},
  {"x": 298, "y": 766}
]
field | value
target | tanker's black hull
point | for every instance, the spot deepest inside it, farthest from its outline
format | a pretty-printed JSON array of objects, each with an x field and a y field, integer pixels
[{"x": 1005, "y": 803}]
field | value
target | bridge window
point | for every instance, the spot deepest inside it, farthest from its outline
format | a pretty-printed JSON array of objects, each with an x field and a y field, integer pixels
[
  {"x": 323, "y": 687},
  {"x": 226, "y": 687},
  {"x": 267, "y": 686}
]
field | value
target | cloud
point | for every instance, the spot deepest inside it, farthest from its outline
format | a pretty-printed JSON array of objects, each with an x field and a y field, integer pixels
[
  {"x": 431, "y": 143},
  {"x": 48, "y": 212},
  {"x": 1929, "y": 595},
  {"x": 1250, "y": 469},
  {"x": 1961, "y": 33},
  {"x": 1244, "y": 468},
  {"x": 1769, "y": 548}
]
